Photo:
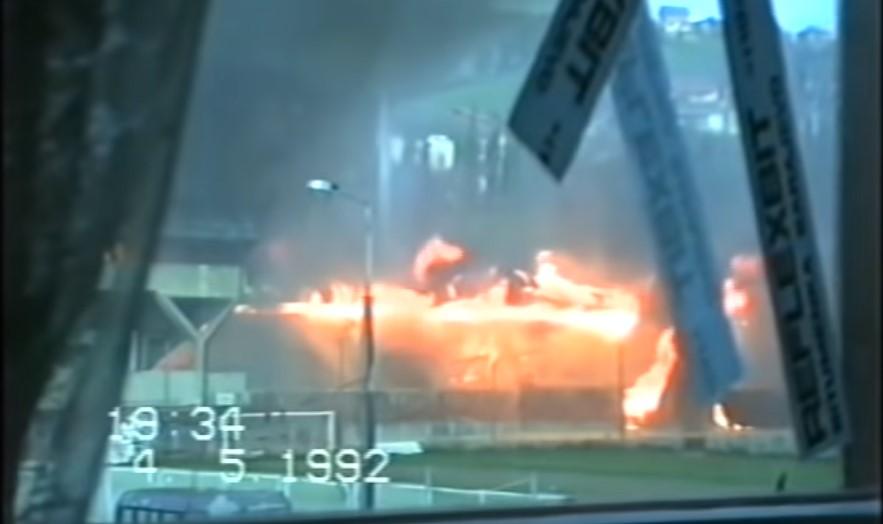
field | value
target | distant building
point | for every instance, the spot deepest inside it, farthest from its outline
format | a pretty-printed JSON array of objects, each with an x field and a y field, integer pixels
[
  {"x": 814, "y": 34},
  {"x": 704, "y": 105},
  {"x": 674, "y": 19},
  {"x": 697, "y": 90},
  {"x": 710, "y": 25}
]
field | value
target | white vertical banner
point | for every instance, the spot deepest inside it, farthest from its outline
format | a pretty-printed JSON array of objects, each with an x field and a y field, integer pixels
[
  {"x": 565, "y": 80},
  {"x": 784, "y": 222},
  {"x": 641, "y": 96}
]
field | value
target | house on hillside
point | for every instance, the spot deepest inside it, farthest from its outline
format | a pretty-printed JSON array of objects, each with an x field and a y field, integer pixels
[
  {"x": 674, "y": 19},
  {"x": 710, "y": 25},
  {"x": 814, "y": 34}
]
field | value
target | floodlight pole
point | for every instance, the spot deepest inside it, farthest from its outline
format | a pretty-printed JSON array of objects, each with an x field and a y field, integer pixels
[
  {"x": 370, "y": 430},
  {"x": 368, "y": 500},
  {"x": 620, "y": 392}
]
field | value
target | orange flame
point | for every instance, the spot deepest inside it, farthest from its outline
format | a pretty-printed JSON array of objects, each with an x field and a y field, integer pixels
[
  {"x": 722, "y": 421},
  {"x": 474, "y": 333},
  {"x": 736, "y": 299},
  {"x": 643, "y": 397},
  {"x": 436, "y": 254},
  {"x": 471, "y": 337}
]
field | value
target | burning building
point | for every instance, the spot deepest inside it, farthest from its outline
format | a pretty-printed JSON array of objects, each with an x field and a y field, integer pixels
[{"x": 514, "y": 335}]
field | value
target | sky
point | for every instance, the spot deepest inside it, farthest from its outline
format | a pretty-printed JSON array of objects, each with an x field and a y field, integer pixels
[{"x": 793, "y": 15}]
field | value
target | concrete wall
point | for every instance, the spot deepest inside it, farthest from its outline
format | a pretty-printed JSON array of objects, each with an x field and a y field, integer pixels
[{"x": 180, "y": 388}]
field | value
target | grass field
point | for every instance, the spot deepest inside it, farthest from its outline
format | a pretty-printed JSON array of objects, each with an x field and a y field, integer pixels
[
  {"x": 601, "y": 474},
  {"x": 592, "y": 473}
]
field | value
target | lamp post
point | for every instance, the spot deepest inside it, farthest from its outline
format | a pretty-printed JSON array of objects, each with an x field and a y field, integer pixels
[
  {"x": 370, "y": 430},
  {"x": 620, "y": 392}
]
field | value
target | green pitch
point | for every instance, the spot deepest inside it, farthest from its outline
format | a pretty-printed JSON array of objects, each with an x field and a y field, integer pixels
[{"x": 596, "y": 474}]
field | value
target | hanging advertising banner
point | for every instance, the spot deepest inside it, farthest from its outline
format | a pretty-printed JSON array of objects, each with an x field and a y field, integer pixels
[
  {"x": 641, "y": 96},
  {"x": 785, "y": 226},
  {"x": 565, "y": 80}
]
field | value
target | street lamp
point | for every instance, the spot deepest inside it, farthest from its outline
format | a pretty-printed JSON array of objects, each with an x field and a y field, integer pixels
[
  {"x": 620, "y": 391},
  {"x": 370, "y": 435},
  {"x": 322, "y": 186}
]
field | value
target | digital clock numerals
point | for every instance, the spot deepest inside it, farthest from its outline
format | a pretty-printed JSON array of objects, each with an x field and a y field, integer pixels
[
  {"x": 145, "y": 462},
  {"x": 344, "y": 465},
  {"x": 232, "y": 459},
  {"x": 132, "y": 433},
  {"x": 229, "y": 423},
  {"x": 142, "y": 425},
  {"x": 206, "y": 424}
]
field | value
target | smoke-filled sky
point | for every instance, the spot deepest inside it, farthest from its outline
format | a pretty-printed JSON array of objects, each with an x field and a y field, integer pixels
[{"x": 288, "y": 90}]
